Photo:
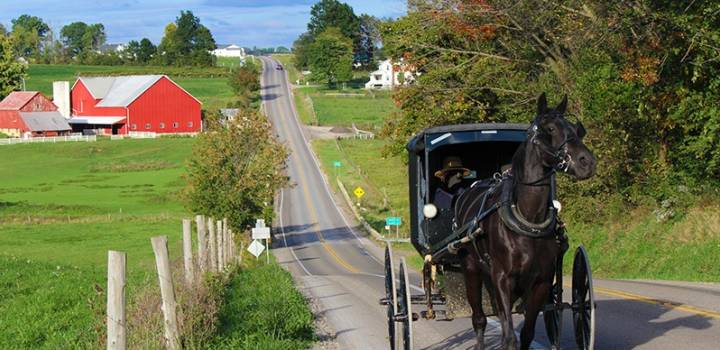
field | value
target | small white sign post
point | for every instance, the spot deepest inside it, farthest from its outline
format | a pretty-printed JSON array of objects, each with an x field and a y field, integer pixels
[
  {"x": 261, "y": 232},
  {"x": 256, "y": 248}
]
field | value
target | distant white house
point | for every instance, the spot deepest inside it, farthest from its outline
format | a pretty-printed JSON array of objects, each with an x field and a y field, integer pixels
[
  {"x": 231, "y": 50},
  {"x": 387, "y": 77},
  {"x": 106, "y": 48}
]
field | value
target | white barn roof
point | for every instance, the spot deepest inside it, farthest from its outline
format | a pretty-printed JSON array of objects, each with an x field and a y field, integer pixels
[
  {"x": 119, "y": 91},
  {"x": 45, "y": 121}
]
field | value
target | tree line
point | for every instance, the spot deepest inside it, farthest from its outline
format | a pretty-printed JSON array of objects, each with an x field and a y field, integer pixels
[
  {"x": 336, "y": 40},
  {"x": 186, "y": 41},
  {"x": 643, "y": 76}
]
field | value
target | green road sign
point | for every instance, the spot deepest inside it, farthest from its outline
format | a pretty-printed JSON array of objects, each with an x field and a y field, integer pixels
[{"x": 393, "y": 221}]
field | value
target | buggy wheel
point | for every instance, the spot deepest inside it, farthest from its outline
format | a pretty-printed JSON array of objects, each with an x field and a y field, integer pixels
[
  {"x": 583, "y": 301},
  {"x": 391, "y": 296},
  {"x": 404, "y": 307},
  {"x": 553, "y": 316}
]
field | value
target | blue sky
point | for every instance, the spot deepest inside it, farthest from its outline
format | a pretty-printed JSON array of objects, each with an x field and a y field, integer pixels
[{"x": 244, "y": 22}]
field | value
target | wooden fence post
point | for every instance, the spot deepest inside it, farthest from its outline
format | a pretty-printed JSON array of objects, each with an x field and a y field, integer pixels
[
  {"x": 116, "y": 332},
  {"x": 226, "y": 239},
  {"x": 219, "y": 233},
  {"x": 231, "y": 245},
  {"x": 213, "y": 245},
  {"x": 201, "y": 237},
  {"x": 187, "y": 251},
  {"x": 167, "y": 291}
]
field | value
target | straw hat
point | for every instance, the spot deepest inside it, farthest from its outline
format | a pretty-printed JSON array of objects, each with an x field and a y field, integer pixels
[{"x": 452, "y": 163}]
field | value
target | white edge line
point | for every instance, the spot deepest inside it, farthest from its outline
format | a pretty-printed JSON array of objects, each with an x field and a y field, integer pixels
[{"x": 282, "y": 229}]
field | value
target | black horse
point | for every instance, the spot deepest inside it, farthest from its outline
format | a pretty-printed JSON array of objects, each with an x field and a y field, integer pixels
[{"x": 517, "y": 246}]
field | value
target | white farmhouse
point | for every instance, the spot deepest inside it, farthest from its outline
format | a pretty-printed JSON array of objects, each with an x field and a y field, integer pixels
[
  {"x": 107, "y": 48},
  {"x": 387, "y": 77},
  {"x": 231, "y": 50}
]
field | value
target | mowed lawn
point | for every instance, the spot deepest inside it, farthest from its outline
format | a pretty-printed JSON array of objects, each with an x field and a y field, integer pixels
[
  {"x": 210, "y": 86},
  {"x": 365, "y": 111},
  {"x": 62, "y": 207}
]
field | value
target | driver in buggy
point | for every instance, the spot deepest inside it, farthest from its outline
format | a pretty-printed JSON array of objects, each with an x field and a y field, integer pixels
[{"x": 451, "y": 178}]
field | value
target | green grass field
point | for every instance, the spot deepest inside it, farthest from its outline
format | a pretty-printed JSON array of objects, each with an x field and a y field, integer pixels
[
  {"x": 229, "y": 62},
  {"x": 321, "y": 106},
  {"x": 209, "y": 85},
  {"x": 62, "y": 207},
  {"x": 366, "y": 112}
]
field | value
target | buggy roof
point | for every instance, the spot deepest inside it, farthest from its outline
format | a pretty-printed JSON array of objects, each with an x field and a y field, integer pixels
[{"x": 450, "y": 134}]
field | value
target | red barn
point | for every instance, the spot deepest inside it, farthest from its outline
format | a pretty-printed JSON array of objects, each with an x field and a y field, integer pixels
[
  {"x": 29, "y": 113},
  {"x": 122, "y": 104}
]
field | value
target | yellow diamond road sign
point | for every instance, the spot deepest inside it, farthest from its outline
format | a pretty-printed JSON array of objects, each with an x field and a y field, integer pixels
[{"x": 359, "y": 192}]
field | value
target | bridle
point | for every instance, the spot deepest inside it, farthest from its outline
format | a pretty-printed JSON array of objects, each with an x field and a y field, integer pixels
[{"x": 560, "y": 155}]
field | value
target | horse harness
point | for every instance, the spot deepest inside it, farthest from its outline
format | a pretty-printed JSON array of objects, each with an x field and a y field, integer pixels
[{"x": 507, "y": 210}]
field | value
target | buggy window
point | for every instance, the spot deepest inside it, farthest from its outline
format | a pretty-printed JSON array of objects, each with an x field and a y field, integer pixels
[{"x": 483, "y": 159}]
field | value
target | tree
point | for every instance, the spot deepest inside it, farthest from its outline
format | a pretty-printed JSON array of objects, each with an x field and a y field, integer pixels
[
  {"x": 245, "y": 82},
  {"x": 53, "y": 51},
  {"x": 332, "y": 13},
  {"x": 187, "y": 42},
  {"x": 282, "y": 49},
  {"x": 72, "y": 36},
  {"x": 12, "y": 72},
  {"x": 94, "y": 36},
  {"x": 3, "y": 30},
  {"x": 168, "y": 49},
  {"x": 235, "y": 171},
  {"x": 29, "y": 32},
  {"x": 82, "y": 40},
  {"x": 300, "y": 50},
  {"x": 330, "y": 57},
  {"x": 368, "y": 39},
  {"x": 642, "y": 76},
  {"x": 146, "y": 51},
  {"x": 132, "y": 51}
]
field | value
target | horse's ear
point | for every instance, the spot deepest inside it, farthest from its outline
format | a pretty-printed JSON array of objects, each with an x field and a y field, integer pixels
[
  {"x": 562, "y": 106},
  {"x": 580, "y": 130},
  {"x": 542, "y": 104}
]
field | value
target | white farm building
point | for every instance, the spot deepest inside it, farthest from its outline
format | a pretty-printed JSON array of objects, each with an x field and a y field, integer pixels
[
  {"x": 231, "y": 50},
  {"x": 388, "y": 76}
]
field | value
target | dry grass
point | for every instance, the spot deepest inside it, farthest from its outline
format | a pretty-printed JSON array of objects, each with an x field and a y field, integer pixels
[
  {"x": 701, "y": 224},
  {"x": 198, "y": 306}
]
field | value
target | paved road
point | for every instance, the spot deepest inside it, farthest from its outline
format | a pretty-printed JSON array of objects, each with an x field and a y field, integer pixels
[{"x": 343, "y": 270}]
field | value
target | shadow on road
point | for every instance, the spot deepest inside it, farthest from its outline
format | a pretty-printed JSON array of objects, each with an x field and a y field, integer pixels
[
  {"x": 266, "y": 87},
  {"x": 648, "y": 322},
  {"x": 300, "y": 235},
  {"x": 269, "y": 97}
]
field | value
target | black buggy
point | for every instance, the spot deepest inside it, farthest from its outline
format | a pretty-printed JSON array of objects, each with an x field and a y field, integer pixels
[{"x": 486, "y": 149}]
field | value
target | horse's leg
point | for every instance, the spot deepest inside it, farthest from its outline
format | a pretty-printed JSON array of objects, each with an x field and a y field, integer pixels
[
  {"x": 473, "y": 288},
  {"x": 535, "y": 302},
  {"x": 504, "y": 298}
]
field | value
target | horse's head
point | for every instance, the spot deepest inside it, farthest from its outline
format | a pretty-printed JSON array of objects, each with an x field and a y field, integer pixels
[{"x": 560, "y": 141}]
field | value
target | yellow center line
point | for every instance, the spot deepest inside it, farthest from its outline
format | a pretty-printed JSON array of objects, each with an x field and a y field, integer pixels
[
  {"x": 313, "y": 212},
  {"x": 648, "y": 300}
]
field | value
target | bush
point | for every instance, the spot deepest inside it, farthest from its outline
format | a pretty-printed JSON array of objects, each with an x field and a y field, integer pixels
[{"x": 235, "y": 170}]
